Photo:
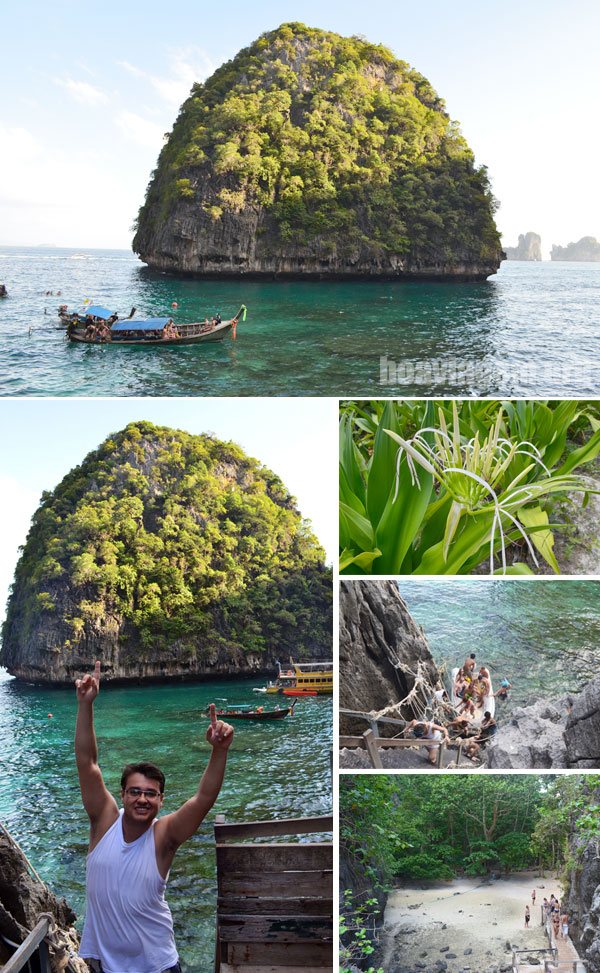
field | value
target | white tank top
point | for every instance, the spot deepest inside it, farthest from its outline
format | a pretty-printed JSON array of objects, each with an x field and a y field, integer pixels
[{"x": 128, "y": 925}]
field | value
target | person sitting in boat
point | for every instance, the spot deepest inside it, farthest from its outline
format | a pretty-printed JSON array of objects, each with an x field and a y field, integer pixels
[
  {"x": 467, "y": 707},
  {"x": 488, "y": 728},
  {"x": 502, "y": 693},
  {"x": 429, "y": 731},
  {"x": 170, "y": 331},
  {"x": 91, "y": 331},
  {"x": 128, "y": 925},
  {"x": 217, "y": 318},
  {"x": 461, "y": 683},
  {"x": 480, "y": 691}
]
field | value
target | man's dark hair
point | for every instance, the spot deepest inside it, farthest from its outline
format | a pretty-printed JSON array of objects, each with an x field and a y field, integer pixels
[
  {"x": 148, "y": 770},
  {"x": 472, "y": 656}
]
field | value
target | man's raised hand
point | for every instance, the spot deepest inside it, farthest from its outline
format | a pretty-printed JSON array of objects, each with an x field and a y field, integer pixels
[
  {"x": 88, "y": 686},
  {"x": 219, "y": 734}
]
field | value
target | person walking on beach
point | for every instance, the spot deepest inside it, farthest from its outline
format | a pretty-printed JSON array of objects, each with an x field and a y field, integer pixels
[
  {"x": 527, "y": 916},
  {"x": 128, "y": 925},
  {"x": 532, "y": 897}
]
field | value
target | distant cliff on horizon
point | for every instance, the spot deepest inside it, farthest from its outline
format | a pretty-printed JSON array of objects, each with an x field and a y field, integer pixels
[
  {"x": 587, "y": 249},
  {"x": 529, "y": 247},
  {"x": 312, "y": 155}
]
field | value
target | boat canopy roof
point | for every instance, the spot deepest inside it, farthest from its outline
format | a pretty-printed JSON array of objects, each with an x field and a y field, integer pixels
[
  {"x": 150, "y": 324},
  {"x": 98, "y": 311}
]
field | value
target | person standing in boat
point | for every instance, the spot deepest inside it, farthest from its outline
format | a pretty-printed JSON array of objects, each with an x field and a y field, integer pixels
[{"x": 128, "y": 925}]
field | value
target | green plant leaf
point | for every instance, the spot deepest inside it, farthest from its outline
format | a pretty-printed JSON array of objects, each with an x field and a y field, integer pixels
[
  {"x": 402, "y": 518},
  {"x": 356, "y": 527},
  {"x": 518, "y": 569},
  {"x": 382, "y": 470},
  {"x": 541, "y": 537},
  {"x": 583, "y": 455},
  {"x": 363, "y": 561}
]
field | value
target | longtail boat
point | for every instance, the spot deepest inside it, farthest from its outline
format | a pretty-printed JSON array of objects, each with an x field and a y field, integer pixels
[
  {"x": 254, "y": 713},
  {"x": 155, "y": 331}
]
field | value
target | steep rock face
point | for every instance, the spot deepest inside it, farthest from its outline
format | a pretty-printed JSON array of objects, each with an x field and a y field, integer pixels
[
  {"x": 22, "y": 901},
  {"x": 582, "y": 733},
  {"x": 529, "y": 247},
  {"x": 313, "y": 155},
  {"x": 166, "y": 555},
  {"x": 380, "y": 647},
  {"x": 586, "y": 249}
]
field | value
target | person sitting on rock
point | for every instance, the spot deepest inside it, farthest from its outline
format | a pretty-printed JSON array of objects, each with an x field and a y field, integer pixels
[{"x": 128, "y": 925}]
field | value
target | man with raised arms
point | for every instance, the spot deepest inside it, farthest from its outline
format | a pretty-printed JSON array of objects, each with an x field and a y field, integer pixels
[{"x": 128, "y": 924}]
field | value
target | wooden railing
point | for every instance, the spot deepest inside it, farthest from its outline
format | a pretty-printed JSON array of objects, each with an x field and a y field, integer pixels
[{"x": 33, "y": 948}]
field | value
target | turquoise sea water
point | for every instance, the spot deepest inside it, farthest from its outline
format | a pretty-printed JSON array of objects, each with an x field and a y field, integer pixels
[
  {"x": 534, "y": 328},
  {"x": 274, "y": 771},
  {"x": 544, "y": 636}
]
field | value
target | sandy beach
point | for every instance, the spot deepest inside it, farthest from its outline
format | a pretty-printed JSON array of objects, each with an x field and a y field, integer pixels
[{"x": 464, "y": 925}]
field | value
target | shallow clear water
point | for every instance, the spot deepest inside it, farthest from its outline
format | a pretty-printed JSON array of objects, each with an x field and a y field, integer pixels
[
  {"x": 274, "y": 771},
  {"x": 544, "y": 636},
  {"x": 532, "y": 328}
]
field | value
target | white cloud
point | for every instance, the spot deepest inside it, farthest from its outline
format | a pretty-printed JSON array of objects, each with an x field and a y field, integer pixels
[
  {"x": 81, "y": 91},
  {"x": 140, "y": 130},
  {"x": 20, "y": 145},
  {"x": 186, "y": 66}
]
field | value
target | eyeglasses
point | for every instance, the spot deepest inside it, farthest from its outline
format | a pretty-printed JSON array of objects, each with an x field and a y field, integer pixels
[{"x": 138, "y": 791}]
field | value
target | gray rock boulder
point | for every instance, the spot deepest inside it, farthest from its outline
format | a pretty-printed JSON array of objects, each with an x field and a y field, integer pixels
[{"x": 534, "y": 738}]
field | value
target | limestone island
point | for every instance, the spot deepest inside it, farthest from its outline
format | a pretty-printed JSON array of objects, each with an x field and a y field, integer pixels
[
  {"x": 316, "y": 156},
  {"x": 529, "y": 247},
  {"x": 587, "y": 249},
  {"x": 168, "y": 556}
]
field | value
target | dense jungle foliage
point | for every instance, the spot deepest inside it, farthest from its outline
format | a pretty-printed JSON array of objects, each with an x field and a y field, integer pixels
[
  {"x": 428, "y": 827},
  {"x": 184, "y": 538},
  {"x": 337, "y": 141}
]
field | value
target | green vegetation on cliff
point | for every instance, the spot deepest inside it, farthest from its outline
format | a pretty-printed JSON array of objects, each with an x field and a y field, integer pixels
[
  {"x": 337, "y": 142},
  {"x": 183, "y": 542}
]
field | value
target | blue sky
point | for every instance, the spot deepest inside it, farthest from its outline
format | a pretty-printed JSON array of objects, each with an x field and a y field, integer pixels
[
  {"x": 43, "y": 439},
  {"x": 88, "y": 89}
]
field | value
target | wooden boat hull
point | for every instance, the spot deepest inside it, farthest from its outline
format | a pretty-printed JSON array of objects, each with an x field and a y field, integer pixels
[
  {"x": 268, "y": 715},
  {"x": 217, "y": 334}
]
